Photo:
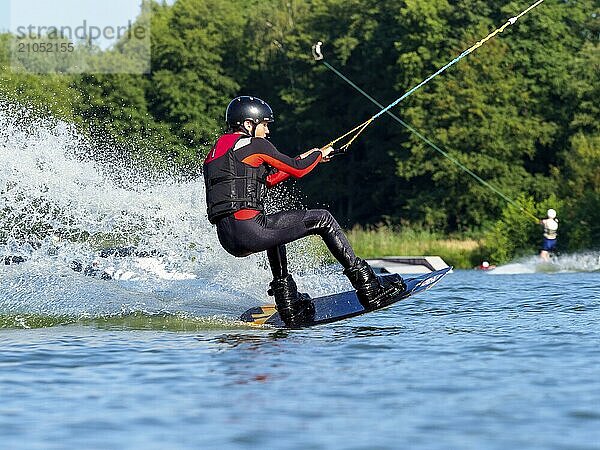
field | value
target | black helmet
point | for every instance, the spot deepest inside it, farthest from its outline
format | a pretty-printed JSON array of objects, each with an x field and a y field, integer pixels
[{"x": 248, "y": 108}]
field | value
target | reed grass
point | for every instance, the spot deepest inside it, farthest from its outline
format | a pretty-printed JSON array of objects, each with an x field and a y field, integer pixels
[{"x": 459, "y": 252}]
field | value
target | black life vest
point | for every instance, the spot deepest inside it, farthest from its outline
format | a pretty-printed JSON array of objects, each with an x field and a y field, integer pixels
[{"x": 230, "y": 184}]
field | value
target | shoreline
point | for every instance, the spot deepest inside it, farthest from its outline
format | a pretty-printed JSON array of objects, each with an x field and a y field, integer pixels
[{"x": 381, "y": 242}]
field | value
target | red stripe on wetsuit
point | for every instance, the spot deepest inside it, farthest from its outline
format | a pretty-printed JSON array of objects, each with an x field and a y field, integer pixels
[
  {"x": 224, "y": 143},
  {"x": 294, "y": 169}
]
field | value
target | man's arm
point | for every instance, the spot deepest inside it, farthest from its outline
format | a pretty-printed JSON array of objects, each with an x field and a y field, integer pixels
[
  {"x": 276, "y": 178},
  {"x": 263, "y": 152}
]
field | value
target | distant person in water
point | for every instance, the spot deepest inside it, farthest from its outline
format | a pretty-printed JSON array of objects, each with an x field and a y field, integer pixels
[
  {"x": 238, "y": 170},
  {"x": 550, "y": 225},
  {"x": 485, "y": 265}
]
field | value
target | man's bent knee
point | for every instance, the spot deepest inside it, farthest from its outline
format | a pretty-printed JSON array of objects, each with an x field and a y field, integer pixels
[{"x": 320, "y": 220}]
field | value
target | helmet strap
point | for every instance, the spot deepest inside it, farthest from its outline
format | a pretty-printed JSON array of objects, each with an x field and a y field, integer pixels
[{"x": 251, "y": 132}]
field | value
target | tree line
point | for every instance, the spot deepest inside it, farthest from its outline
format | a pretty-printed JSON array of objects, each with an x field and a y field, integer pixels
[{"x": 522, "y": 111}]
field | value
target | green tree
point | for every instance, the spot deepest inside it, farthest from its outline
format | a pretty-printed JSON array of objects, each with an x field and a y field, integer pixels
[
  {"x": 47, "y": 93},
  {"x": 190, "y": 86}
]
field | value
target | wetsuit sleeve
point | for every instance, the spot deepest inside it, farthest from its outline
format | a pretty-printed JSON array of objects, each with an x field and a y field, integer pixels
[
  {"x": 276, "y": 178},
  {"x": 263, "y": 152}
]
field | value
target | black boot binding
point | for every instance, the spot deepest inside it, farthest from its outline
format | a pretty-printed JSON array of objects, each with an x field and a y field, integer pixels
[
  {"x": 295, "y": 309},
  {"x": 371, "y": 293}
]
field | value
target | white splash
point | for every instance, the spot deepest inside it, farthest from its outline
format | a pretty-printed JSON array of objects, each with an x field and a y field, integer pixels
[
  {"x": 577, "y": 262},
  {"x": 58, "y": 209}
]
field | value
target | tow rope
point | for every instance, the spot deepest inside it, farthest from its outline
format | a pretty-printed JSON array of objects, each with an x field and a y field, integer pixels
[
  {"x": 356, "y": 131},
  {"x": 318, "y": 55}
]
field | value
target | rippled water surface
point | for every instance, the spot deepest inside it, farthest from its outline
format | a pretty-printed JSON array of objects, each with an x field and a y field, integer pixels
[{"x": 480, "y": 361}]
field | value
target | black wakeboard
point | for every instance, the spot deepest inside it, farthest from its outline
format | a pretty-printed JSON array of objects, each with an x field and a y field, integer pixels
[{"x": 344, "y": 305}]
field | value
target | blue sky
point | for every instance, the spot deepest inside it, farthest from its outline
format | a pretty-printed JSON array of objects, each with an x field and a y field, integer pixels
[
  {"x": 69, "y": 13},
  {"x": 4, "y": 15}
]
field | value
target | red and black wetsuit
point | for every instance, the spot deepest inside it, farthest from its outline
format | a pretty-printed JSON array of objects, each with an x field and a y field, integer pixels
[{"x": 237, "y": 173}]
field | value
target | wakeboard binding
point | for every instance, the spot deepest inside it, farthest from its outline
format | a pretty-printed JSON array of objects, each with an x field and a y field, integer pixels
[
  {"x": 295, "y": 308},
  {"x": 369, "y": 290}
]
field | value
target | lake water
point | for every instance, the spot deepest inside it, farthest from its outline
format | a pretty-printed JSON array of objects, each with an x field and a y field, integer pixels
[
  {"x": 479, "y": 361},
  {"x": 154, "y": 358}
]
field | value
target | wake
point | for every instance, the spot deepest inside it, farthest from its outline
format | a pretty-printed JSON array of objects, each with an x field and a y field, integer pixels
[{"x": 578, "y": 262}]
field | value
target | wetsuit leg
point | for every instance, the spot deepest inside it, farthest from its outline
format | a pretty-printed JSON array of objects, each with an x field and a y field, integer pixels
[
  {"x": 244, "y": 237},
  {"x": 321, "y": 222},
  {"x": 278, "y": 261}
]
